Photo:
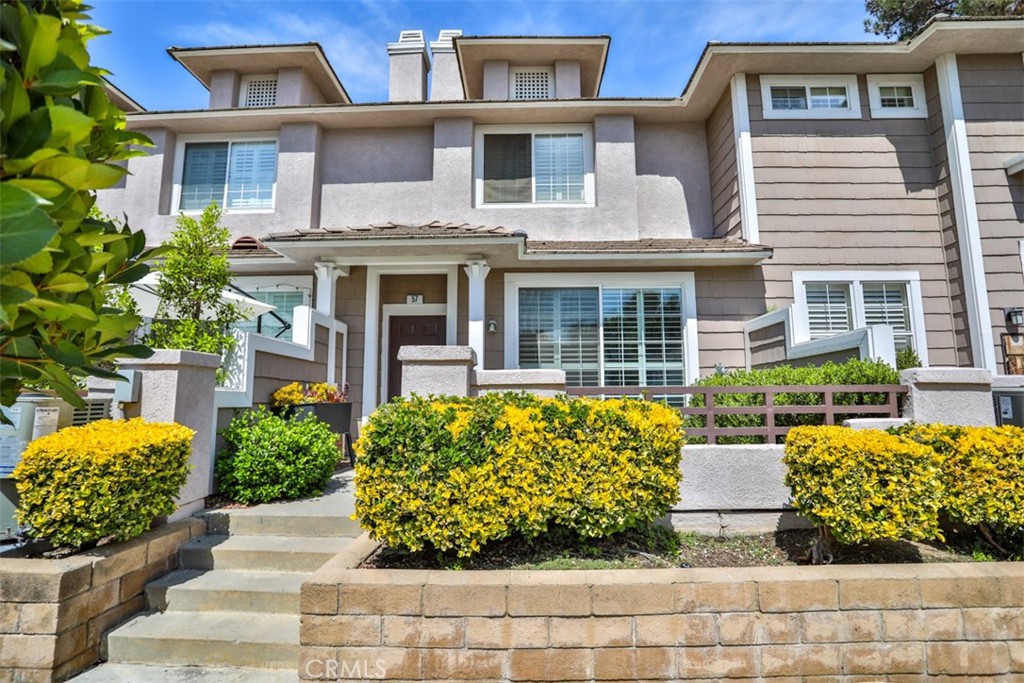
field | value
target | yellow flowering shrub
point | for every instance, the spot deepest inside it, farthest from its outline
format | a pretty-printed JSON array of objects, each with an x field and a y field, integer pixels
[
  {"x": 982, "y": 471},
  {"x": 289, "y": 395},
  {"x": 106, "y": 478},
  {"x": 864, "y": 485},
  {"x": 452, "y": 474}
]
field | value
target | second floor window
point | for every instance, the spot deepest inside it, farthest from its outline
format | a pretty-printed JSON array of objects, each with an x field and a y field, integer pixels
[
  {"x": 235, "y": 175},
  {"x": 535, "y": 168},
  {"x": 810, "y": 97}
]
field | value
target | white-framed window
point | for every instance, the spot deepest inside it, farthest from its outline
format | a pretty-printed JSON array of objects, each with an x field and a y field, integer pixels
[
  {"x": 531, "y": 83},
  {"x": 810, "y": 97},
  {"x": 604, "y": 329},
  {"x": 284, "y": 292},
  {"x": 834, "y": 302},
  {"x": 238, "y": 173},
  {"x": 534, "y": 165},
  {"x": 897, "y": 96},
  {"x": 258, "y": 91}
]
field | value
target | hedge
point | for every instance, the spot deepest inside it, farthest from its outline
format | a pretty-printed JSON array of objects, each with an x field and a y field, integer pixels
[
  {"x": 452, "y": 474},
  {"x": 104, "y": 479}
]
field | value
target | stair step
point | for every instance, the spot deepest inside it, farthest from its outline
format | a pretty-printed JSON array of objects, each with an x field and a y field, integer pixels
[
  {"x": 246, "y": 523},
  {"x": 149, "y": 673},
  {"x": 226, "y": 590},
  {"x": 260, "y": 553},
  {"x": 265, "y": 641}
]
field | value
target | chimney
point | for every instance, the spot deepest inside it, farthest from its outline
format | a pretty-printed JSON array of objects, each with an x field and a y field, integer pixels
[
  {"x": 446, "y": 83},
  {"x": 409, "y": 67}
]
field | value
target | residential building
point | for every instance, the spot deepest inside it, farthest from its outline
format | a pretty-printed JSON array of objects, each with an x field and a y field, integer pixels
[{"x": 796, "y": 202}]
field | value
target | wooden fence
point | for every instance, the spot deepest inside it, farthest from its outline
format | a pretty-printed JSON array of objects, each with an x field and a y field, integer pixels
[{"x": 769, "y": 402}]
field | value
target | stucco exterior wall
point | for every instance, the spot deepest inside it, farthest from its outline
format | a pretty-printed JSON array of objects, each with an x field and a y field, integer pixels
[
  {"x": 672, "y": 181},
  {"x": 855, "y": 194},
  {"x": 725, "y": 189},
  {"x": 992, "y": 88}
]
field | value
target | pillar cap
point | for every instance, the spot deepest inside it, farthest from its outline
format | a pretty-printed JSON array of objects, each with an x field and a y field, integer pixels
[{"x": 446, "y": 355}]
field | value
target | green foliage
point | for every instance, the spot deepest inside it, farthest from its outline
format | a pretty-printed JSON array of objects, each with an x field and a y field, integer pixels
[
  {"x": 192, "y": 315},
  {"x": 864, "y": 485},
  {"x": 907, "y": 358},
  {"x": 60, "y": 137},
  {"x": 269, "y": 457},
  {"x": 850, "y": 372},
  {"x": 104, "y": 479},
  {"x": 452, "y": 474},
  {"x": 904, "y": 18}
]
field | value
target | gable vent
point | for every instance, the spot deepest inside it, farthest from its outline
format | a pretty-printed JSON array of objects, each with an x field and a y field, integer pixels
[
  {"x": 531, "y": 84},
  {"x": 260, "y": 91}
]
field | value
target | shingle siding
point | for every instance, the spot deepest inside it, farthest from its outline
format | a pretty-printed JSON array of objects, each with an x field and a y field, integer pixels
[{"x": 725, "y": 201}]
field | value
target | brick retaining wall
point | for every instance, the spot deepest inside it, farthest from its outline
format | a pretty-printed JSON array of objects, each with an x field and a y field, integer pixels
[
  {"x": 53, "y": 613},
  {"x": 900, "y": 623}
]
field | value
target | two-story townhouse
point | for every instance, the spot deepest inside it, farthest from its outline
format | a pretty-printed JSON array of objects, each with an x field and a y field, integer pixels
[{"x": 792, "y": 195}]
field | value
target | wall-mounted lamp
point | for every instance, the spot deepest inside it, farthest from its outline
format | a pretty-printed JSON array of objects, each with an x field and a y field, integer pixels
[
  {"x": 1014, "y": 317},
  {"x": 492, "y": 325}
]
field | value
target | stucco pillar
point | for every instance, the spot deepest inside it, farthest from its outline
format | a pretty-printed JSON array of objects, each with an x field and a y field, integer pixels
[
  {"x": 477, "y": 272},
  {"x": 224, "y": 87},
  {"x": 952, "y": 396},
  {"x": 178, "y": 386},
  {"x": 298, "y": 175},
  {"x": 446, "y": 83},
  {"x": 436, "y": 370},
  {"x": 327, "y": 275}
]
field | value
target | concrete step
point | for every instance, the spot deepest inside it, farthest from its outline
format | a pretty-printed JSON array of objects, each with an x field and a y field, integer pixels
[
  {"x": 264, "y": 641},
  {"x": 246, "y": 523},
  {"x": 226, "y": 590},
  {"x": 260, "y": 553},
  {"x": 146, "y": 673}
]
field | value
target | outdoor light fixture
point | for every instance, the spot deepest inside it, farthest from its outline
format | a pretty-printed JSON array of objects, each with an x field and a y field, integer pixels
[
  {"x": 492, "y": 325},
  {"x": 1014, "y": 317}
]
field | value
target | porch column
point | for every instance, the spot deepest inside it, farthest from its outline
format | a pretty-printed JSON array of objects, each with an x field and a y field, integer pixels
[
  {"x": 327, "y": 275},
  {"x": 477, "y": 271}
]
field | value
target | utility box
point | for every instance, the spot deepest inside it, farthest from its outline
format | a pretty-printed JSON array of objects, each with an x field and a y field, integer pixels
[
  {"x": 32, "y": 416},
  {"x": 1009, "y": 405}
]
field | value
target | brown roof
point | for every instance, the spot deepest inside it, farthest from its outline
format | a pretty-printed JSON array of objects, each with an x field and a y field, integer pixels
[
  {"x": 260, "y": 252},
  {"x": 435, "y": 230},
  {"x": 645, "y": 246}
]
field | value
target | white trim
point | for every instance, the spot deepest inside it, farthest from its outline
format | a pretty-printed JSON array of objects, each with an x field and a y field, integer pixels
[
  {"x": 179, "y": 167},
  {"x": 371, "y": 331},
  {"x": 685, "y": 281},
  {"x": 916, "y": 84},
  {"x": 539, "y": 129},
  {"x": 243, "y": 88},
  {"x": 856, "y": 279},
  {"x": 274, "y": 283},
  {"x": 966, "y": 213},
  {"x": 513, "y": 70},
  {"x": 848, "y": 81},
  {"x": 1014, "y": 164},
  {"x": 744, "y": 159},
  {"x": 390, "y": 310}
]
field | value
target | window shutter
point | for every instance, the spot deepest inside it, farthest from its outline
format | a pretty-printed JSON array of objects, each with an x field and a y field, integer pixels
[
  {"x": 508, "y": 171},
  {"x": 828, "y": 309},
  {"x": 886, "y": 303},
  {"x": 531, "y": 85},
  {"x": 205, "y": 168},
  {"x": 559, "y": 167},
  {"x": 558, "y": 328},
  {"x": 260, "y": 92},
  {"x": 252, "y": 173}
]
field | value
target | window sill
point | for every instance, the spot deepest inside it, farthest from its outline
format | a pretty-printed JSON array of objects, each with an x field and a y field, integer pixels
[
  {"x": 810, "y": 114},
  {"x": 230, "y": 212},
  {"x": 536, "y": 205}
]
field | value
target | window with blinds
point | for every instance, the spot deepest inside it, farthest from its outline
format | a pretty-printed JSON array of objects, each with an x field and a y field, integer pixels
[
  {"x": 886, "y": 303},
  {"x": 531, "y": 84},
  {"x": 284, "y": 303},
  {"x": 604, "y": 336},
  {"x": 520, "y": 168},
  {"x": 259, "y": 91},
  {"x": 236, "y": 175},
  {"x": 829, "y": 309}
]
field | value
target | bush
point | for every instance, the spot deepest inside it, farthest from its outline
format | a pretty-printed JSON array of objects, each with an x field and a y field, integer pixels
[
  {"x": 850, "y": 372},
  {"x": 864, "y": 485},
  {"x": 452, "y": 474},
  {"x": 104, "y": 479},
  {"x": 270, "y": 457},
  {"x": 982, "y": 472}
]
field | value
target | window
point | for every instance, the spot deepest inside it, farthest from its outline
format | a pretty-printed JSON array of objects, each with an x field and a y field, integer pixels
[
  {"x": 810, "y": 97},
  {"x": 895, "y": 96},
  {"x": 830, "y": 303},
  {"x": 284, "y": 292},
  {"x": 258, "y": 91},
  {"x": 530, "y": 83},
  {"x": 622, "y": 333},
  {"x": 549, "y": 166},
  {"x": 237, "y": 175}
]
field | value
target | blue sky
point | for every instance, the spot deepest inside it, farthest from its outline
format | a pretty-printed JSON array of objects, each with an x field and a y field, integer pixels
[{"x": 655, "y": 43}]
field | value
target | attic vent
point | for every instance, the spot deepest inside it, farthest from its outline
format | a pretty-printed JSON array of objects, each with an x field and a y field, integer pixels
[
  {"x": 259, "y": 91},
  {"x": 531, "y": 84}
]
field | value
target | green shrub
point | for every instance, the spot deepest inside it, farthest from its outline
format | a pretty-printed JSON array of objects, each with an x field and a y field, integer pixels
[
  {"x": 451, "y": 474},
  {"x": 864, "y": 485},
  {"x": 104, "y": 479},
  {"x": 907, "y": 358},
  {"x": 269, "y": 457},
  {"x": 850, "y": 372}
]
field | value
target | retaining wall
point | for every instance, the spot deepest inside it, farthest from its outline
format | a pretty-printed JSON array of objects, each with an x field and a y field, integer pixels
[
  {"x": 898, "y": 623},
  {"x": 53, "y": 613}
]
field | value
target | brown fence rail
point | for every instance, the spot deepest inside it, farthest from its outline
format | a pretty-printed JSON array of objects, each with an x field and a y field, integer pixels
[{"x": 769, "y": 408}]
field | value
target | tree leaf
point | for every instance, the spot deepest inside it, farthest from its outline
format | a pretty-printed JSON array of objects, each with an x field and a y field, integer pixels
[
  {"x": 15, "y": 201},
  {"x": 133, "y": 274},
  {"x": 28, "y": 134},
  {"x": 67, "y": 283},
  {"x": 39, "y": 34},
  {"x": 40, "y": 262},
  {"x": 25, "y": 236},
  {"x": 64, "y": 82},
  {"x": 69, "y": 126}
]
